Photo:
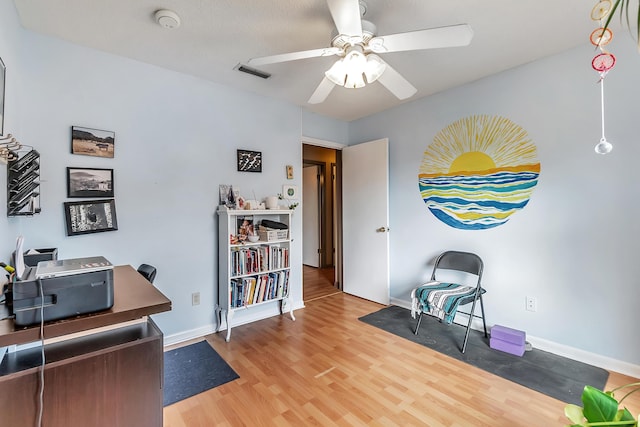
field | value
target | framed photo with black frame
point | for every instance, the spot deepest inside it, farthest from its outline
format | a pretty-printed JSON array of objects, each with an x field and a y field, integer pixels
[
  {"x": 90, "y": 216},
  {"x": 249, "y": 161},
  {"x": 92, "y": 142},
  {"x": 89, "y": 182}
]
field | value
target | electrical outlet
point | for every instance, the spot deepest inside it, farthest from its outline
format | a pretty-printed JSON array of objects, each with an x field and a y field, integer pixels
[
  {"x": 531, "y": 304},
  {"x": 195, "y": 298}
]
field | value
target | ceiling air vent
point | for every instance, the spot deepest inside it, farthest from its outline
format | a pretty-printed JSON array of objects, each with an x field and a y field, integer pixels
[{"x": 252, "y": 71}]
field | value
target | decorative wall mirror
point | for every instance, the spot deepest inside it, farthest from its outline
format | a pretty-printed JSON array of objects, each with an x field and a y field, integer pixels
[{"x": 2, "y": 73}]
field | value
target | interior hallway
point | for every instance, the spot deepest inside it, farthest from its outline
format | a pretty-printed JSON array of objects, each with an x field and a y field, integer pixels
[{"x": 317, "y": 283}]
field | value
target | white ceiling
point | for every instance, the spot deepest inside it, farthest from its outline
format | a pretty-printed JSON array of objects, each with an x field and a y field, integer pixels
[{"x": 216, "y": 35}]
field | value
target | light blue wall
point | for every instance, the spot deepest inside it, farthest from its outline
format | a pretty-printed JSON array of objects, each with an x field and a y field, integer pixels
[
  {"x": 323, "y": 128},
  {"x": 10, "y": 31},
  {"x": 574, "y": 246},
  {"x": 176, "y": 141}
]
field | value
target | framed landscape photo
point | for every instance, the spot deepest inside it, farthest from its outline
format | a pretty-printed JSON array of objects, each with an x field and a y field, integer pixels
[
  {"x": 92, "y": 142},
  {"x": 89, "y": 182},
  {"x": 249, "y": 161},
  {"x": 90, "y": 216}
]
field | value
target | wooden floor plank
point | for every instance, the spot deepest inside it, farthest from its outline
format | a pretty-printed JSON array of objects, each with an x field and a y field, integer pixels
[{"x": 327, "y": 368}]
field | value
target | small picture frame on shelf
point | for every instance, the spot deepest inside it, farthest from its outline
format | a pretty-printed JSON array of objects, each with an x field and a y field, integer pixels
[
  {"x": 229, "y": 196},
  {"x": 89, "y": 182},
  {"x": 245, "y": 227},
  {"x": 249, "y": 161},
  {"x": 92, "y": 142},
  {"x": 90, "y": 216}
]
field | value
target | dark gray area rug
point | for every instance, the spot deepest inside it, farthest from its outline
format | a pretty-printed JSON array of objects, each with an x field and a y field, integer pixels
[
  {"x": 192, "y": 369},
  {"x": 556, "y": 376}
]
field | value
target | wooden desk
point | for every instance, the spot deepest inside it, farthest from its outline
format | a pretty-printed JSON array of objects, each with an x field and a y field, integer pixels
[
  {"x": 133, "y": 297},
  {"x": 107, "y": 378}
]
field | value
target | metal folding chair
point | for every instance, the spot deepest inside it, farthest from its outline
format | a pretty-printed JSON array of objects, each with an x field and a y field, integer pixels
[{"x": 443, "y": 299}]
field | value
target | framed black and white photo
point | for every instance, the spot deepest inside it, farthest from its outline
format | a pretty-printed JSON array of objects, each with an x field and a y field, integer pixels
[
  {"x": 89, "y": 182},
  {"x": 90, "y": 216},
  {"x": 249, "y": 161},
  {"x": 2, "y": 84},
  {"x": 92, "y": 142}
]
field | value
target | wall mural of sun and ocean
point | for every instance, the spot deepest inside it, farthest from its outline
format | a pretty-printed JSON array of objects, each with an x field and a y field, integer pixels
[{"x": 478, "y": 171}]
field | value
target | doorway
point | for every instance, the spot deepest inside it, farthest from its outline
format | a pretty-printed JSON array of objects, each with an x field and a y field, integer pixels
[
  {"x": 321, "y": 204},
  {"x": 358, "y": 177}
]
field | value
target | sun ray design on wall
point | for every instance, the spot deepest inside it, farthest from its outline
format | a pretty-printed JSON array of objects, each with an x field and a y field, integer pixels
[{"x": 478, "y": 171}]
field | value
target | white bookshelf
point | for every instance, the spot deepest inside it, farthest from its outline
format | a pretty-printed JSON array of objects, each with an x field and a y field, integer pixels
[{"x": 252, "y": 274}]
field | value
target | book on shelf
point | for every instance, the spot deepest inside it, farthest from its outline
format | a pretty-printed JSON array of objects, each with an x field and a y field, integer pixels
[
  {"x": 250, "y": 290},
  {"x": 256, "y": 259}
]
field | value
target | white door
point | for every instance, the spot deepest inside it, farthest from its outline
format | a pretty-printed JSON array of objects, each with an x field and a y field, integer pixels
[
  {"x": 365, "y": 222},
  {"x": 310, "y": 217}
]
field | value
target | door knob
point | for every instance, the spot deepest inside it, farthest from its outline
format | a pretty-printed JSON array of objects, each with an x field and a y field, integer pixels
[{"x": 382, "y": 229}]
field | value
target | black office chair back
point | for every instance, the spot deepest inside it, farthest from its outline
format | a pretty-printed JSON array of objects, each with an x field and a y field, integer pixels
[
  {"x": 148, "y": 271},
  {"x": 461, "y": 261}
]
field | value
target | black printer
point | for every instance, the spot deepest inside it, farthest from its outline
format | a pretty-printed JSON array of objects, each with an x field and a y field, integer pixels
[{"x": 65, "y": 296}]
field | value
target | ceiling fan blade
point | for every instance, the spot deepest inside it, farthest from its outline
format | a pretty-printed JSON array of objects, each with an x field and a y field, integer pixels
[
  {"x": 294, "y": 56},
  {"x": 322, "y": 91},
  {"x": 346, "y": 16},
  {"x": 397, "y": 85},
  {"x": 432, "y": 38}
]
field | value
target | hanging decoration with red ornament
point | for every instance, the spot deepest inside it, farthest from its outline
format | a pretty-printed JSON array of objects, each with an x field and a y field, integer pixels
[{"x": 603, "y": 61}]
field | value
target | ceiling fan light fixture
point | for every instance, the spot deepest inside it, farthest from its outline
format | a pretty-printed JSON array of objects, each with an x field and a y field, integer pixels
[
  {"x": 337, "y": 73},
  {"x": 352, "y": 70},
  {"x": 354, "y": 81},
  {"x": 354, "y": 62},
  {"x": 374, "y": 68}
]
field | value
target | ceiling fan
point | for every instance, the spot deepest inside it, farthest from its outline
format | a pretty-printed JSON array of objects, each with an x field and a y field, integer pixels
[{"x": 357, "y": 45}]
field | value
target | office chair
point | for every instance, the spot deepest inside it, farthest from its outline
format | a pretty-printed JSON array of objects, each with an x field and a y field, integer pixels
[
  {"x": 147, "y": 271},
  {"x": 442, "y": 299}
]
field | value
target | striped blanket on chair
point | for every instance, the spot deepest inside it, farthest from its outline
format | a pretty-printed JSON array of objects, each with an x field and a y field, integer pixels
[{"x": 440, "y": 299}]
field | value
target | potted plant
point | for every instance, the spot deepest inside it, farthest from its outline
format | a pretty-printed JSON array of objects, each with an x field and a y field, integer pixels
[
  {"x": 601, "y": 408},
  {"x": 622, "y": 7}
]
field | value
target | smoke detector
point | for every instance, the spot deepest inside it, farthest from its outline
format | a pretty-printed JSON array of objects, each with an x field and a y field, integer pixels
[{"x": 167, "y": 19}]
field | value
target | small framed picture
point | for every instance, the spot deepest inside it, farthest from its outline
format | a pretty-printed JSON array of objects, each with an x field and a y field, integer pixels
[
  {"x": 289, "y": 192},
  {"x": 92, "y": 142},
  {"x": 249, "y": 161},
  {"x": 289, "y": 172},
  {"x": 245, "y": 227},
  {"x": 91, "y": 216},
  {"x": 89, "y": 182}
]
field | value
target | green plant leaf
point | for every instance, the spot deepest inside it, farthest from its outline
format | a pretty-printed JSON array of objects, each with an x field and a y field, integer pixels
[
  {"x": 636, "y": 387},
  {"x": 625, "y": 415},
  {"x": 574, "y": 414},
  {"x": 613, "y": 12},
  {"x": 598, "y": 406},
  {"x": 624, "y": 12}
]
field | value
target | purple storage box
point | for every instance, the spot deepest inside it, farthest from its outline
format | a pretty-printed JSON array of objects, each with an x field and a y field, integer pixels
[
  {"x": 509, "y": 335},
  {"x": 507, "y": 347}
]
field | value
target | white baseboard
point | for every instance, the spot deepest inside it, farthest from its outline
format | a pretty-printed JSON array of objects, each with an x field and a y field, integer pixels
[
  {"x": 594, "y": 359},
  {"x": 211, "y": 328},
  {"x": 189, "y": 335}
]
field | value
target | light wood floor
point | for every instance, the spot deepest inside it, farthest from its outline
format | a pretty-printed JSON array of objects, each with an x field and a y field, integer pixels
[
  {"x": 327, "y": 368},
  {"x": 317, "y": 283}
]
